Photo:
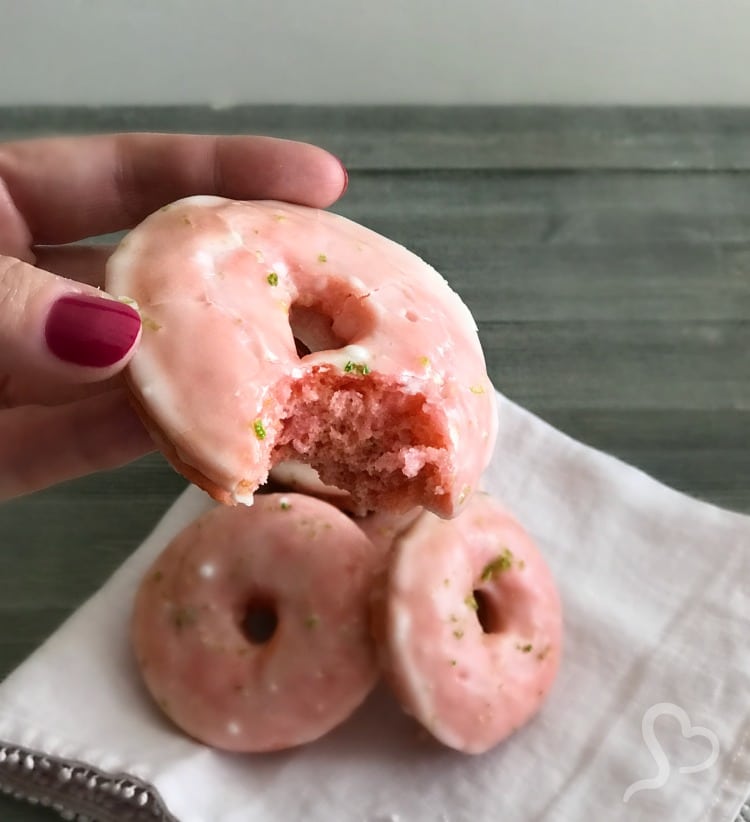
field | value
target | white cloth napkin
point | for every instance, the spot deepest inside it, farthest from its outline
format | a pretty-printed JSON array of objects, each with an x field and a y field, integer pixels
[{"x": 652, "y": 703}]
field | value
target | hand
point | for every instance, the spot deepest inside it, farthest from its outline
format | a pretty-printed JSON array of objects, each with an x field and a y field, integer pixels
[{"x": 63, "y": 343}]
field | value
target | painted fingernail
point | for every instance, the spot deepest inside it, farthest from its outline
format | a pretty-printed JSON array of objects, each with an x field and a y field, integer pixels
[
  {"x": 346, "y": 177},
  {"x": 91, "y": 331}
]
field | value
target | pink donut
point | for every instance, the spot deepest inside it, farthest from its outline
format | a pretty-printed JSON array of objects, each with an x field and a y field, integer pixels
[
  {"x": 275, "y": 332},
  {"x": 251, "y": 630},
  {"x": 470, "y": 625},
  {"x": 292, "y": 475}
]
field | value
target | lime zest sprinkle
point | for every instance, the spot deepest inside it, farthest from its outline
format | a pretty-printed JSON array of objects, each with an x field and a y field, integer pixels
[
  {"x": 272, "y": 278},
  {"x": 471, "y": 602},
  {"x": 502, "y": 562},
  {"x": 260, "y": 431},
  {"x": 424, "y": 361},
  {"x": 358, "y": 367},
  {"x": 284, "y": 504},
  {"x": 184, "y": 616},
  {"x": 312, "y": 621},
  {"x": 322, "y": 258},
  {"x": 453, "y": 663},
  {"x": 476, "y": 389},
  {"x": 524, "y": 648},
  {"x": 458, "y": 633},
  {"x": 465, "y": 491},
  {"x": 147, "y": 322}
]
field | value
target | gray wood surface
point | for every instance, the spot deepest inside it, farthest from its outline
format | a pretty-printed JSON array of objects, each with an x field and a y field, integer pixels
[{"x": 605, "y": 254}]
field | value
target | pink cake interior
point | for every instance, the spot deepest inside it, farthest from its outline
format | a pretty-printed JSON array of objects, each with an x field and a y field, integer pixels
[{"x": 364, "y": 434}]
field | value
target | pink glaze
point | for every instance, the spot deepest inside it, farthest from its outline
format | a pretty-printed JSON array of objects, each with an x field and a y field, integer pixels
[
  {"x": 293, "y": 475},
  {"x": 296, "y": 556},
  {"x": 470, "y": 686},
  {"x": 393, "y": 404}
]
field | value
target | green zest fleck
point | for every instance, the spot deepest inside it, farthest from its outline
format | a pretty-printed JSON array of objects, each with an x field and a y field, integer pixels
[
  {"x": 453, "y": 663},
  {"x": 312, "y": 621},
  {"x": 285, "y": 505},
  {"x": 152, "y": 325},
  {"x": 322, "y": 258},
  {"x": 158, "y": 576},
  {"x": 446, "y": 582},
  {"x": 260, "y": 431},
  {"x": 476, "y": 389},
  {"x": 273, "y": 278},
  {"x": 184, "y": 617},
  {"x": 524, "y": 648},
  {"x": 357, "y": 367},
  {"x": 471, "y": 602},
  {"x": 502, "y": 562},
  {"x": 424, "y": 361},
  {"x": 458, "y": 633}
]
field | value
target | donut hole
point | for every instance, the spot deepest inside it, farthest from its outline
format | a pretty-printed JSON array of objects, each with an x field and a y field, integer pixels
[
  {"x": 312, "y": 328},
  {"x": 260, "y": 620},
  {"x": 487, "y": 613}
]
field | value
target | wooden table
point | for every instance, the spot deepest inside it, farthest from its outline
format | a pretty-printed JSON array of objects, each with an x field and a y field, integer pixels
[{"x": 604, "y": 253}]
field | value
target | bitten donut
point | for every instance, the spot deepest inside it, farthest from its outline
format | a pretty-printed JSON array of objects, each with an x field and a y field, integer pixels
[
  {"x": 293, "y": 475},
  {"x": 380, "y": 527},
  {"x": 274, "y": 331},
  {"x": 251, "y": 630},
  {"x": 470, "y": 625}
]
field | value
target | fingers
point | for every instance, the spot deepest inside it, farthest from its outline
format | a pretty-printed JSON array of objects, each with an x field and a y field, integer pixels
[
  {"x": 65, "y": 189},
  {"x": 84, "y": 263},
  {"x": 42, "y": 446},
  {"x": 25, "y": 388},
  {"x": 54, "y": 329}
]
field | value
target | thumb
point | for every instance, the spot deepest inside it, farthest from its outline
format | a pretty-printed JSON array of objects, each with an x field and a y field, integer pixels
[{"x": 60, "y": 328}]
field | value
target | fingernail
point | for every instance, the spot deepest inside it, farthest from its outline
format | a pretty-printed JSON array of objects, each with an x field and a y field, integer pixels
[
  {"x": 91, "y": 331},
  {"x": 346, "y": 177}
]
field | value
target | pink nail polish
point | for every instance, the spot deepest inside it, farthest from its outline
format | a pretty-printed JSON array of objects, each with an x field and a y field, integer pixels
[{"x": 91, "y": 331}]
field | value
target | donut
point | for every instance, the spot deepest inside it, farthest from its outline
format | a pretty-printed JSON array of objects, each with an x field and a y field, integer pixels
[
  {"x": 293, "y": 475},
  {"x": 469, "y": 625},
  {"x": 275, "y": 331},
  {"x": 380, "y": 527},
  {"x": 251, "y": 630}
]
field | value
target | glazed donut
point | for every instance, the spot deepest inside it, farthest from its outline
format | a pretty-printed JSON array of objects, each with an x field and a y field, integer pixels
[
  {"x": 275, "y": 331},
  {"x": 301, "y": 478},
  {"x": 469, "y": 625},
  {"x": 251, "y": 630},
  {"x": 380, "y": 527}
]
